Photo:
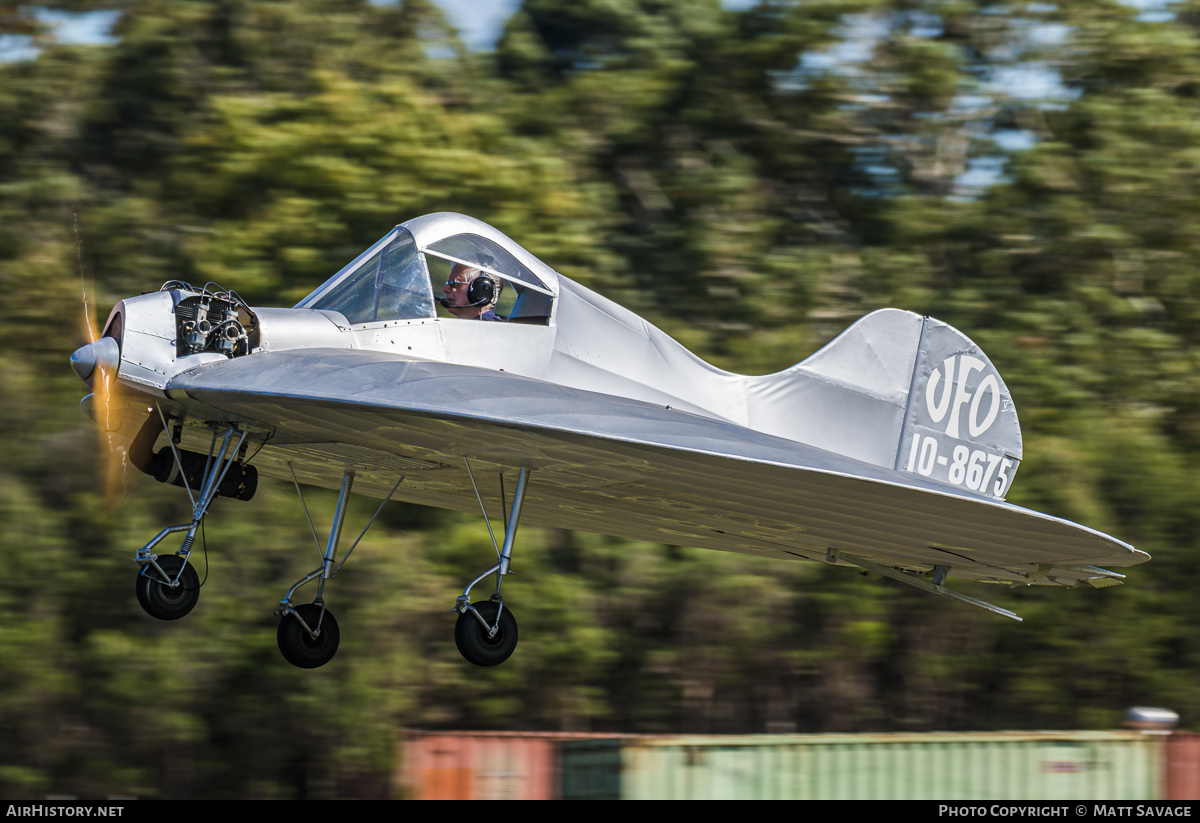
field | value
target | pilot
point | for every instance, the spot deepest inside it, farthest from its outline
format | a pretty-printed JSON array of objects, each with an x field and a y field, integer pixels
[{"x": 471, "y": 294}]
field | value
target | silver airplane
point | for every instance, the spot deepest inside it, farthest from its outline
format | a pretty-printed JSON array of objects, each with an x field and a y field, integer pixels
[{"x": 890, "y": 450}]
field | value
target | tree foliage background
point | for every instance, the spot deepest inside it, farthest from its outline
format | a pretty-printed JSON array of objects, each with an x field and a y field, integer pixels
[{"x": 751, "y": 180}]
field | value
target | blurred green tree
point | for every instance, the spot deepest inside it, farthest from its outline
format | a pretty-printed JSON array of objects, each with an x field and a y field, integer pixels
[{"x": 750, "y": 179}]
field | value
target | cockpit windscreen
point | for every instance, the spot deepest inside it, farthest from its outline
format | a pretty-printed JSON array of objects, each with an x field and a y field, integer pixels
[{"x": 389, "y": 284}]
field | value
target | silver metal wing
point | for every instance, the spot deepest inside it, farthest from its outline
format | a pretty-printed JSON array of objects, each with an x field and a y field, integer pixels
[{"x": 628, "y": 468}]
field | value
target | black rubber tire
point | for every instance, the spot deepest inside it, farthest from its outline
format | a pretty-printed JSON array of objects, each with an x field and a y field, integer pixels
[
  {"x": 162, "y": 601},
  {"x": 473, "y": 641},
  {"x": 301, "y": 650}
]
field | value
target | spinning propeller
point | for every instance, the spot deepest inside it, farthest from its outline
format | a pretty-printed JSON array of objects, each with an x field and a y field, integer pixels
[{"x": 126, "y": 424}]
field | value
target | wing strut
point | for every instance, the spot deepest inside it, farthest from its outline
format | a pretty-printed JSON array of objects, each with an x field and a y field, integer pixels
[
  {"x": 486, "y": 521},
  {"x": 933, "y": 586}
]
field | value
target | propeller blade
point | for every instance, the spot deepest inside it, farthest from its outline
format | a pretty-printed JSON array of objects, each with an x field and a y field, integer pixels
[{"x": 126, "y": 426}]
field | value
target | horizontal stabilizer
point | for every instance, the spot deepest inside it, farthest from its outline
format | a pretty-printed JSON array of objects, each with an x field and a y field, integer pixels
[{"x": 1102, "y": 582}]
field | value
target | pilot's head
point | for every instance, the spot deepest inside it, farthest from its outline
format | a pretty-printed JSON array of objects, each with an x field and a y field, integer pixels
[{"x": 469, "y": 292}]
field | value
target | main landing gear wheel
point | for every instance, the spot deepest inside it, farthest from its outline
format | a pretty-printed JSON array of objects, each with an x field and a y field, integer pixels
[
  {"x": 302, "y": 649},
  {"x": 473, "y": 641},
  {"x": 161, "y": 600}
]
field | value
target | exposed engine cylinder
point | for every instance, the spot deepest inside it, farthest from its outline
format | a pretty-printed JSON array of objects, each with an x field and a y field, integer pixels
[{"x": 211, "y": 321}]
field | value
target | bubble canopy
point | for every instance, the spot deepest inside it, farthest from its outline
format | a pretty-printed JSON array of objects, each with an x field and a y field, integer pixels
[{"x": 392, "y": 280}]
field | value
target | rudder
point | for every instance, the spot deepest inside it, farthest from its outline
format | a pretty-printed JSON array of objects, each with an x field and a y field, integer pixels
[{"x": 960, "y": 425}]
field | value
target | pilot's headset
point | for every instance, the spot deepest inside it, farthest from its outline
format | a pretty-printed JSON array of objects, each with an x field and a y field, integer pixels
[{"x": 483, "y": 291}]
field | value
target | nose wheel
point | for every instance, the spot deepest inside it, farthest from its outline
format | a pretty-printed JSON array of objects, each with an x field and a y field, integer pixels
[
  {"x": 167, "y": 586},
  {"x": 169, "y": 591}
]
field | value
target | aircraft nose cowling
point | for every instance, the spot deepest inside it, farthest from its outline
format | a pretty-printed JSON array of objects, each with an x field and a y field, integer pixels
[{"x": 105, "y": 353}]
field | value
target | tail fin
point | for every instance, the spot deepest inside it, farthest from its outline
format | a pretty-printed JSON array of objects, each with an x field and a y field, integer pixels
[
  {"x": 960, "y": 427},
  {"x": 899, "y": 391}
]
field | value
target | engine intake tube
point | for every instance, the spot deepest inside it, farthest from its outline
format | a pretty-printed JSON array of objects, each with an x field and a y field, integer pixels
[{"x": 240, "y": 483}]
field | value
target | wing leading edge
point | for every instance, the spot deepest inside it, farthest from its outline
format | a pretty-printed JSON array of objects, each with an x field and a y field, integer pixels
[{"x": 629, "y": 469}]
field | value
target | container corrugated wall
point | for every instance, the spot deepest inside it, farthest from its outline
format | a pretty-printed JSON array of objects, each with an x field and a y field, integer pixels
[
  {"x": 1002, "y": 766},
  {"x": 1182, "y": 776},
  {"x": 482, "y": 765}
]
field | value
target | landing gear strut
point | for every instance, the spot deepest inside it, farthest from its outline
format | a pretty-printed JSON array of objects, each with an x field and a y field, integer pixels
[
  {"x": 486, "y": 633},
  {"x": 167, "y": 586},
  {"x": 308, "y": 634}
]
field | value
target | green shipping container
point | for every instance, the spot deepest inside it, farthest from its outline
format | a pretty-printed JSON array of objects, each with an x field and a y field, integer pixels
[{"x": 930, "y": 766}]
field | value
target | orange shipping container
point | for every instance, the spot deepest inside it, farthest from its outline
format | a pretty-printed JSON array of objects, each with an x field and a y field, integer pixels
[{"x": 483, "y": 765}]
